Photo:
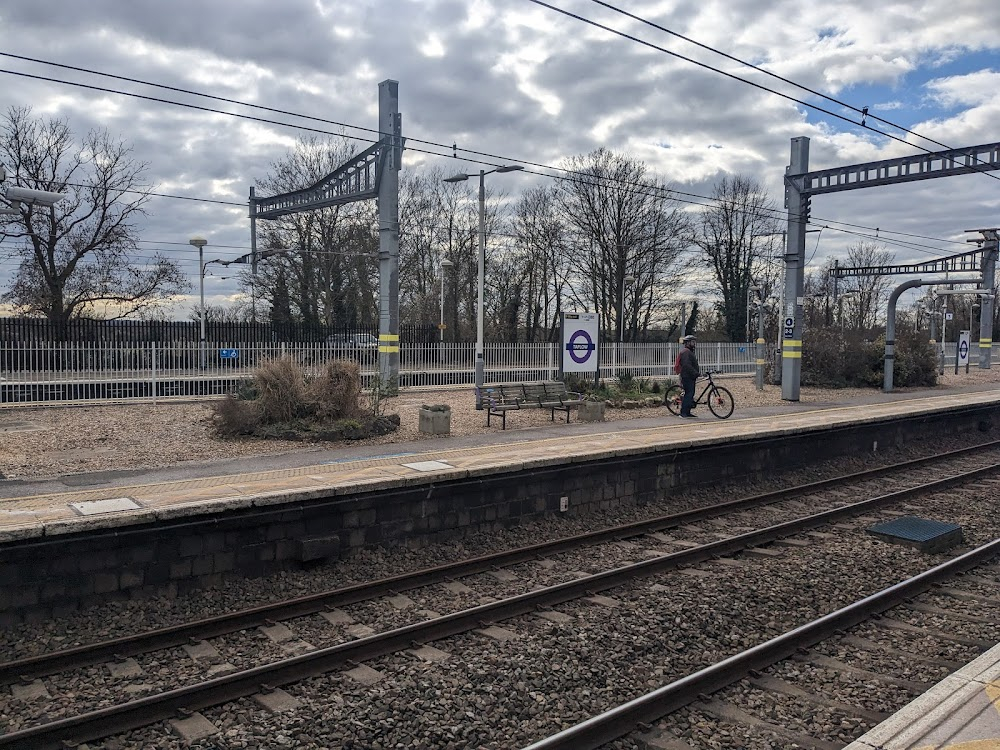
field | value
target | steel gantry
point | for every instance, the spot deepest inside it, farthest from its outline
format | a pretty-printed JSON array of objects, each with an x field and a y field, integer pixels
[
  {"x": 801, "y": 185},
  {"x": 372, "y": 174},
  {"x": 982, "y": 261}
]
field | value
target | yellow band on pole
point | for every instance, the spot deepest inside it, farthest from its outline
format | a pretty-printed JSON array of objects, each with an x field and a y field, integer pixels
[
  {"x": 388, "y": 349},
  {"x": 785, "y": 354},
  {"x": 388, "y": 337}
]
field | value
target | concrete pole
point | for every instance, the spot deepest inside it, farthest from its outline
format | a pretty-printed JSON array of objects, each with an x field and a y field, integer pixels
[
  {"x": 201, "y": 314},
  {"x": 760, "y": 345},
  {"x": 797, "y": 204},
  {"x": 390, "y": 127},
  {"x": 480, "y": 294},
  {"x": 987, "y": 302},
  {"x": 890, "y": 324},
  {"x": 890, "y": 331},
  {"x": 944, "y": 334},
  {"x": 253, "y": 258}
]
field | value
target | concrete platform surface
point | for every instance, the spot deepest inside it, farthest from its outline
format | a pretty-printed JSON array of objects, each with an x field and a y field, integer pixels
[{"x": 65, "y": 505}]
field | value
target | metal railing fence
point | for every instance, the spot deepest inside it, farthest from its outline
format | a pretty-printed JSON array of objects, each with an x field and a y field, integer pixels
[
  {"x": 103, "y": 371},
  {"x": 40, "y": 372}
]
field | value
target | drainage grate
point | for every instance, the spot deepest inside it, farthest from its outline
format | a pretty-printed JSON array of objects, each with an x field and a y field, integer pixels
[{"x": 925, "y": 535}]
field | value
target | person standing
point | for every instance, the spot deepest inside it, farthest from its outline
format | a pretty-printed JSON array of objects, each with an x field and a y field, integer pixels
[{"x": 689, "y": 374}]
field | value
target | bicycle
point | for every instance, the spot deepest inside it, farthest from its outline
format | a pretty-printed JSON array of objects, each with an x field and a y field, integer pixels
[{"x": 719, "y": 399}]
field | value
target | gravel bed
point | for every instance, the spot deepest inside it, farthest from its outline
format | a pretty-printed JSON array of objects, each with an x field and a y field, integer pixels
[
  {"x": 978, "y": 608},
  {"x": 504, "y": 694},
  {"x": 926, "y": 646},
  {"x": 950, "y": 625},
  {"x": 873, "y": 695},
  {"x": 797, "y": 714},
  {"x": 882, "y": 662}
]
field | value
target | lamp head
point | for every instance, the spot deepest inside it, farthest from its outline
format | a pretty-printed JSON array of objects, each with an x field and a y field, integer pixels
[
  {"x": 38, "y": 197},
  {"x": 445, "y": 263},
  {"x": 457, "y": 178},
  {"x": 508, "y": 168},
  {"x": 198, "y": 242}
]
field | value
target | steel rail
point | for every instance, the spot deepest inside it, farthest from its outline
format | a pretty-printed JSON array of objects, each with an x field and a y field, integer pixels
[
  {"x": 144, "y": 711},
  {"x": 170, "y": 637},
  {"x": 610, "y": 725}
]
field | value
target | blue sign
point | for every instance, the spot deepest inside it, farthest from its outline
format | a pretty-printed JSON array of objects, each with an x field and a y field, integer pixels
[
  {"x": 743, "y": 350},
  {"x": 229, "y": 353},
  {"x": 580, "y": 341}
]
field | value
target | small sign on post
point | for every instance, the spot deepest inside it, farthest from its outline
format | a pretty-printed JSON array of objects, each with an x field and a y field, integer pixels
[
  {"x": 229, "y": 353},
  {"x": 962, "y": 350},
  {"x": 789, "y": 328},
  {"x": 579, "y": 336}
]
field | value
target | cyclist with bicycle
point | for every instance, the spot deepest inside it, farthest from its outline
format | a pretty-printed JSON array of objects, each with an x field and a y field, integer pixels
[{"x": 689, "y": 372}]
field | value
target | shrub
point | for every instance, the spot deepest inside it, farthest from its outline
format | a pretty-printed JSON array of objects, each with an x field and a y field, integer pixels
[
  {"x": 833, "y": 360},
  {"x": 334, "y": 393},
  {"x": 626, "y": 382},
  {"x": 281, "y": 403},
  {"x": 233, "y": 416},
  {"x": 281, "y": 390}
]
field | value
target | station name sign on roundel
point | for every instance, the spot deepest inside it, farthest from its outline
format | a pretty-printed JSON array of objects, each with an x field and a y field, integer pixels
[{"x": 579, "y": 340}]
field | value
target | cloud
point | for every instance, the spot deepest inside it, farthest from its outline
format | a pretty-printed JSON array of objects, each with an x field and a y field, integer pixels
[{"x": 519, "y": 81}]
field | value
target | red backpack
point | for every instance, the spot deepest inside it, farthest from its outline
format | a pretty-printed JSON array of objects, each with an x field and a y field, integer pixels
[{"x": 677, "y": 364}]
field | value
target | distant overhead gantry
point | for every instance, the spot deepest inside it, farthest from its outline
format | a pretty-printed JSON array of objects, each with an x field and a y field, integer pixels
[{"x": 801, "y": 185}]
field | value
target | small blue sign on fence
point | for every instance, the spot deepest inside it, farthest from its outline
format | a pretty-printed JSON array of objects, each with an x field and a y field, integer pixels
[
  {"x": 743, "y": 350},
  {"x": 229, "y": 353}
]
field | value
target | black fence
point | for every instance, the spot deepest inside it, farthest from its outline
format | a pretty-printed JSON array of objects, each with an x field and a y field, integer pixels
[{"x": 35, "y": 330}]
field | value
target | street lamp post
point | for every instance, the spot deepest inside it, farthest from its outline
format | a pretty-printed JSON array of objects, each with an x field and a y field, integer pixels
[
  {"x": 200, "y": 242},
  {"x": 840, "y": 307},
  {"x": 480, "y": 339},
  {"x": 758, "y": 298},
  {"x": 445, "y": 263}
]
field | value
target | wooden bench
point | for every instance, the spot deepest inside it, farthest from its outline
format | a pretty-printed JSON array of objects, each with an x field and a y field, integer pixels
[{"x": 548, "y": 394}]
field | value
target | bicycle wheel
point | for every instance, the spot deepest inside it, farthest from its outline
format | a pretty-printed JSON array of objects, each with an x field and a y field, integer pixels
[
  {"x": 672, "y": 399},
  {"x": 720, "y": 401}
]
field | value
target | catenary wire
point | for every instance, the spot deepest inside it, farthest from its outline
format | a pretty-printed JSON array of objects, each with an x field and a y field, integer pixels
[
  {"x": 659, "y": 190},
  {"x": 735, "y": 77},
  {"x": 358, "y": 127},
  {"x": 864, "y": 112}
]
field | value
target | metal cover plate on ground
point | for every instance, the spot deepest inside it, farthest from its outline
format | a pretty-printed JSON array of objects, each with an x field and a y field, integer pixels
[
  {"x": 428, "y": 465},
  {"x": 111, "y": 505},
  {"x": 922, "y": 533}
]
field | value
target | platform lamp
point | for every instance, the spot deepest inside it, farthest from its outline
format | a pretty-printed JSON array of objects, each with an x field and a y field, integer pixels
[{"x": 480, "y": 338}]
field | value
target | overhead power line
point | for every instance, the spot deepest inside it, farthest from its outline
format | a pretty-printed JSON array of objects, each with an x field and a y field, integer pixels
[
  {"x": 733, "y": 76},
  {"x": 598, "y": 180},
  {"x": 863, "y": 111}
]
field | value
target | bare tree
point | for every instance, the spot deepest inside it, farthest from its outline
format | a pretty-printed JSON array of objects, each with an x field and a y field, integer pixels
[
  {"x": 736, "y": 235},
  {"x": 867, "y": 295},
  {"x": 77, "y": 258},
  {"x": 543, "y": 238},
  {"x": 625, "y": 226}
]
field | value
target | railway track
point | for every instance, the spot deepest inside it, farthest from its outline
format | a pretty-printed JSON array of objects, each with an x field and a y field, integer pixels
[
  {"x": 730, "y": 697},
  {"x": 819, "y": 494},
  {"x": 482, "y": 618}
]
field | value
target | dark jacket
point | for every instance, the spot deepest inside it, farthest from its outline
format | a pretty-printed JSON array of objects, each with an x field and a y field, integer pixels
[{"x": 689, "y": 364}]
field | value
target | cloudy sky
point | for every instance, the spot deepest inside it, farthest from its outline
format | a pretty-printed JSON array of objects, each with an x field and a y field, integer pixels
[{"x": 512, "y": 78}]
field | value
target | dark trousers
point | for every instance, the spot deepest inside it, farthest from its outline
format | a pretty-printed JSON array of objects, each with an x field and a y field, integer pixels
[{"x": 687, "y": 403}]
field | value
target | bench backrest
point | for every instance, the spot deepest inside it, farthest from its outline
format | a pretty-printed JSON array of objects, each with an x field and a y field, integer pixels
[{"x": 540, "y": 392}]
